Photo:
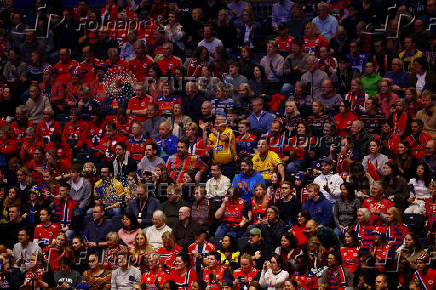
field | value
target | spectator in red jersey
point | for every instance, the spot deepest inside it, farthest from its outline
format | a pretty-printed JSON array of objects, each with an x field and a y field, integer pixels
[
  {"x": 363, "y": 228},
  {"x": 277, "y": 141},
  {"x": 137, "y": 106},
  {"x": 56, "y": 250},
  {"x": 303, "y": 275},
  {"x": 215, "y": 273},
  {"x": 247, "y": 273},
  {"x": 86, "y": 67},
  {"x": 182, "y": 161},
  {"x": 115, "y": 65},
  {"x": 394, "y": 229},
  {"x": 106, "y": 148},
  {"x": 168, "y": 62},
  {"x": 344, "y": 119},
  {"x": 37, "y": 164},
  {"x": 284, "y": 40},
  {"x": 386, "y": 97},
  {"x": 8, "y": 143},
  {"x": 401, "y": 119},
  {"x": 424, "y": 275},
  {"x": 155, "y": 275},
  {"x": 182, "y": 274},
  {"x": 29, "y": 144},
  {"x": 47, "y": 126},
  {"x": 303, "y": 144},
  {"x": 75, "y": 130},
  {"x": 62, "y": 71},
  {"x": 46, "y": 231},
  {"x": 141, "y": 63},
  {"x": 377, "y": 203},
  {"x": 136, "y": 143},
  {"x": 350, "y": 251},
  {"x": 312, "y": 38},
  {"x": 418, "y": 139},
  {"x": 336, "y": 275}
]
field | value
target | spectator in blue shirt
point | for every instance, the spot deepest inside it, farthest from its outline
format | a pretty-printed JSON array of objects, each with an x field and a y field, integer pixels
[
  {"x": 166, "y": 142},
  {"x": 260, "y": 120},
  {"x": 247, "y": 179},
  {"x": 400, "y": 78},
  {"x": 325, "y": 22},
  {"x": 281, "y": 13},
  {"x": 319, "y": 207}
]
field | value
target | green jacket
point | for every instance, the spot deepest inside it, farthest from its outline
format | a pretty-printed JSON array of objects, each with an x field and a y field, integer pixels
[{"x": 370, "y": 84}]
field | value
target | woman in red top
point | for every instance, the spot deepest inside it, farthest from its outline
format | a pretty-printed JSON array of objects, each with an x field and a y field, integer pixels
[
  {"x": 182, "y": 274},
  {"x": 356, "y": 96},
  {"x": 302, "y": 143},
  {"x": 413, "y": 104},
  {"x": 288, "y": 251},
  {"x": 95, "y": 128},
  {"x": 344, "y": 119},
  {"x": 35, "y": 277},
  {"x": 394, "y": 229},
  {"x": 57, "y": 250},
  {"x": 259, "y": 204},
  {"x": 401, "y": 119},
  {"x": 313, "y": 39},
  {"x": 75, "y": 130},
  {"x": 302, "y": 217},
  {"x": 199, "y": 58},
  {"x": 169, "y": 250},
  {"x": 8, "y": 143},
  {"x": 29, "y": 144},
  {"x": 350, "y": 250},
  {"x": 46, "y": 231}
]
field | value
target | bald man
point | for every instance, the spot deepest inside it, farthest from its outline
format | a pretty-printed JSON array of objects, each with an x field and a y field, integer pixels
[
  {"x": 185, "y": 228},
  {"x": 166, "y": 142}
]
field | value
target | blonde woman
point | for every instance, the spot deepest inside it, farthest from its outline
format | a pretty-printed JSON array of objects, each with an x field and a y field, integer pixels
[
  {"x": 313, "y": 39},
  {"x": 169, "y": 250},
  {"x": 114, "y": 248},
  {"x": 178, "y": 120},
  {"x": 140, "y": 252}
]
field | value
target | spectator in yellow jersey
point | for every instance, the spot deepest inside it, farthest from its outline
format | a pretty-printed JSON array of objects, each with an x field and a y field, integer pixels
[
  {"x": 222, "y": 141},
  {"x": 265, "y": 161}
]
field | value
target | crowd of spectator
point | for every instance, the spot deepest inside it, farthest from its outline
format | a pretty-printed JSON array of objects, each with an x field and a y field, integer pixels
[{"x": 180, "y": 144}]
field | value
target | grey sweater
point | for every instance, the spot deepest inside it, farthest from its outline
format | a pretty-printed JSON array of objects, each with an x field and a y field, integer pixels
[
  {"x": 124, "y": 280},
  {"x": 345, "y": 212},
  {"x": 81, "y": 192}
]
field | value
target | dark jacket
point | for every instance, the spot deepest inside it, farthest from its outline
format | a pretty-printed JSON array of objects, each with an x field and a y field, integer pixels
[
  {"x": 151, "y": 205},
  {"x": 185, "y": 235},
  {"x": 430, "y": 81},
  {"x": 345, "y": 212},
  {"x": 171, "y": 210},
  {"x": 122, "y": 169},
  {"x": 272, "y": 233},
  {"x": 360, "y": 146},
  {"x": 288, "y": 210},
  {"x": 265, "y": 251}
]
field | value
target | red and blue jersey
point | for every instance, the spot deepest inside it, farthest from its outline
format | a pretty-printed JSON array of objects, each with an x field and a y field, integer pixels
[
  {"x": 395, "y": 234},
  {"x": 365, "y": 234},
  {"x": 166, "y": 104},
  {"x": 307, "y": 281},
  {"x": 350, "y": 258},
  {"x": 247, "y": 144},
  {"x": 136, "y": 147}
]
